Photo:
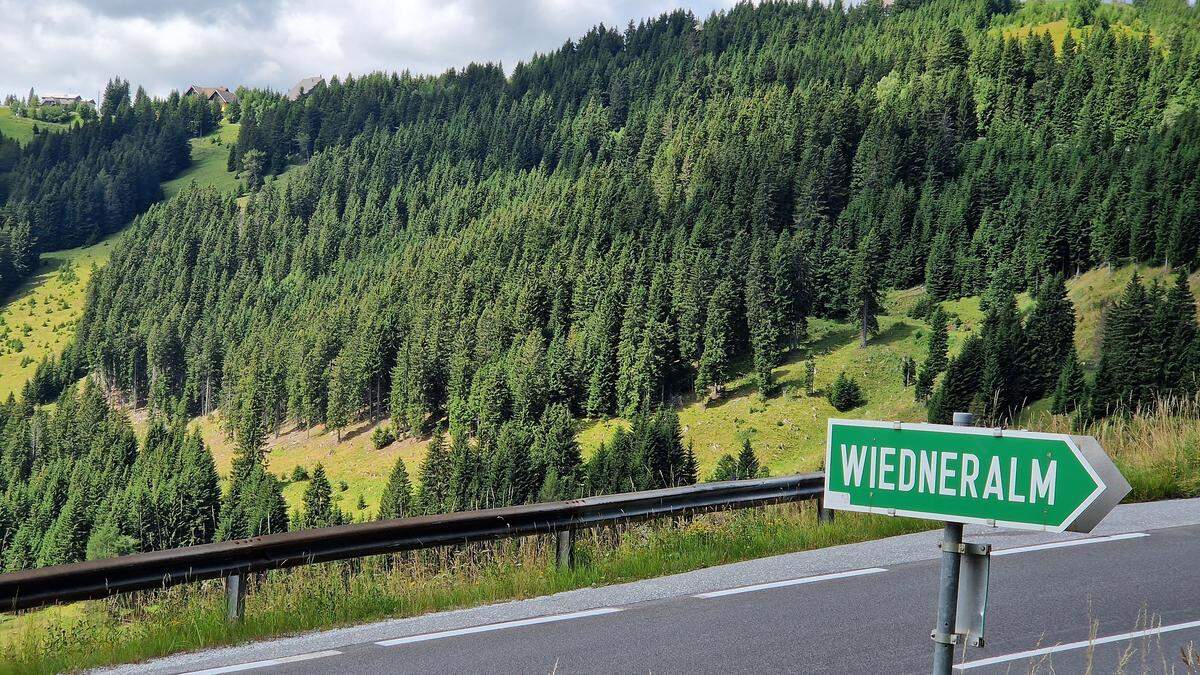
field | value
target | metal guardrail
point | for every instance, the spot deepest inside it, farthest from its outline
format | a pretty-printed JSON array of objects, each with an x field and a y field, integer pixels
[{"x": 234, "y": 559}]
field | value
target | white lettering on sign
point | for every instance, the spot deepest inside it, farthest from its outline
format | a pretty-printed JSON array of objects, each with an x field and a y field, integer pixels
[
  {"x": 951, "y": 474},
  {"x": 1042, "y": 484}
]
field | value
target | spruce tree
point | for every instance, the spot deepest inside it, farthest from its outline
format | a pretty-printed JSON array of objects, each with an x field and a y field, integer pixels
[
  {"x": 396, "y": 501},
  {"x": 434, "y": 492},
  {"x": 1071, "y": 390},
  {"x": 961, "y": 383},
  {"x": 1049, "y": 336},
  {"x": 762, "y": 319},
  {"x": 1177, "y": 326},
  {"x": 935, "y": 361},
  {"x": 318, "y": 509},
  {"x": 718, "y": 336},
  {"x": 747, "y": 462},
  {"x": 866, "y": 286},
  {"x": 845, "y": 393}
]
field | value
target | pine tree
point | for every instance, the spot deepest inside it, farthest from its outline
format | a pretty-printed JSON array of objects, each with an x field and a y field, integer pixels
[
  {"x": 961, "y": 383},
  {"x": 718, "y": 336},
  {"x": 747, "y": 462},
  {"x": 1071, "y": 390},
  {"x": 434, "y": 493},
  {"x": 1049, "y": 336},
  {"x": 555, "y": 450},
  {"x": 1126, "y": 374},
  {"x": 726, "y": 469},
  {"x": 1177, "y": 326},
  {"x": 845, "y": 393},
  {"x": 396, "y": 501},
  {"x": 344, "y": 390},
  {"x": 318, "y": 509},
  {"x": 762, "y": 319},
  {"x": 866, "y": 286}
]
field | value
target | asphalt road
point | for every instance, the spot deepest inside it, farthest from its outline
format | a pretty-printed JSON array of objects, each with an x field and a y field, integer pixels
[{"x": 1128, "y": 594}]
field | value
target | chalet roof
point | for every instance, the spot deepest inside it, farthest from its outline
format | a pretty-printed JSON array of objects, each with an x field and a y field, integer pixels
[
  {"x": 210, "y": 93},
  {"x": 304, "y": 86}
]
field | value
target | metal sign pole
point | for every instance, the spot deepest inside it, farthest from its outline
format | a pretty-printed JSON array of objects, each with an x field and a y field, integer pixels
[{"x": 944, "y": 636}]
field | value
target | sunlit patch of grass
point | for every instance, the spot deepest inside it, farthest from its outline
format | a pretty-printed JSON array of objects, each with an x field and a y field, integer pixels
[
  {"x": 21, "y": 128},
  {"x": 210, "y": 155},
  {"x": 43, "y": 311}
]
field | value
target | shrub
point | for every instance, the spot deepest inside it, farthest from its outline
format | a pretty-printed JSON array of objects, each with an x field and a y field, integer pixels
[
  {"x": 383, "y": 436},
  {"x": 845, "y": 394},
  {"x": 299, "y": 473}
]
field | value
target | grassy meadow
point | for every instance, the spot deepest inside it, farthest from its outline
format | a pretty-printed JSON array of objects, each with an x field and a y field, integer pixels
[
  {"x": 21, "y": 128},
  {"x": 39, "y": 318},
  {"x": 209, "y": 156}
]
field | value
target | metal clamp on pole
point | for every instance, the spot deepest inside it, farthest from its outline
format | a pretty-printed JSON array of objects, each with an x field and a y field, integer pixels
[
  {"x": 974, "y": 571},
  {"x": 944, "y": 638}
]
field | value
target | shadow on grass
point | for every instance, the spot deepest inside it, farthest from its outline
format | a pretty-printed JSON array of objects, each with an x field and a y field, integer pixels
[
  {"x": 833, "y": 340},
  {"x": 897, "y": 332},
  {"x": 48, "y": 268}
]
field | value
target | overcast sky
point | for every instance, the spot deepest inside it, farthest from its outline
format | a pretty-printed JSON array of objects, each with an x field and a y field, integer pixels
[{"x": 69, "y": 47}]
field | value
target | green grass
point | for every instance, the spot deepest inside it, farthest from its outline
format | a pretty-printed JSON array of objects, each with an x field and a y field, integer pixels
[
  {"x": 355, "y": 460},
  {"x": 335, "y": 594},
  {"x": 40, "y": 316},
  {"x": 209, "y": 156},
  {"x": 21, "y": 128}
]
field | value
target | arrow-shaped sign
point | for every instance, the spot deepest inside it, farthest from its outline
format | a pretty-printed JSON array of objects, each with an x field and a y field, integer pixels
[{"x": 1020, "y": 479}]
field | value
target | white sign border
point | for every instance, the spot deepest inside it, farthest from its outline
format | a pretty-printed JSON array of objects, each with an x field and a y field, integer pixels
[{"x": 835, "y": 499}]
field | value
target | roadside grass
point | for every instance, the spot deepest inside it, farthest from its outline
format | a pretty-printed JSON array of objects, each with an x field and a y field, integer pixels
[
  {"x": 21, "y": 128},
  {"x": 288, "y": 602},
  {"x": 38, "y": 319},
  {"x": 1157, "y": 450}
]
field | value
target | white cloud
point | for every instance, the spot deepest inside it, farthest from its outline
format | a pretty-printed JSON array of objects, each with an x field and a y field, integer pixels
[{"x": 69, "y": 46}]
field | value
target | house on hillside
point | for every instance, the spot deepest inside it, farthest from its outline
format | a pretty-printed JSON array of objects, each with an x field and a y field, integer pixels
[
  {"x": 63, "y": 99},
  {"x": 221, "y": 95},
  {"x": 304, "y": 86}
]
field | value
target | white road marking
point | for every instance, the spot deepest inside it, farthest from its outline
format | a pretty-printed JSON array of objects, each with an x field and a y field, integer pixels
[
  {"x": 264, "y": 664},
  {"x": 1077, "y": 645},
  {"x": 1073, "y": 542},
  {"x": 791, "y": 582},
  {"x": 498, "y": 626}
]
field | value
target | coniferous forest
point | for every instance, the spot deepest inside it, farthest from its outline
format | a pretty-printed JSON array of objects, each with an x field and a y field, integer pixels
[
  {"x": 610, "y": 230},
  {"x": 69, "y": 189}
]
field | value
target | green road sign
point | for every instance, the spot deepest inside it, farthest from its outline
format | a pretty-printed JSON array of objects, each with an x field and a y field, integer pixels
[{"x": 1018, "y": 479}]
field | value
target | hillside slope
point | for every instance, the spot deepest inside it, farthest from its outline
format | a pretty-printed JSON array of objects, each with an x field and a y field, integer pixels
[
  {"x": 787, "y": 430},
  {"x": 51, "y": 302},
  {"x": 21, "y": 128}
]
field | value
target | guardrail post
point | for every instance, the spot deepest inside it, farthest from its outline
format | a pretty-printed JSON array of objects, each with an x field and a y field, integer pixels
[
  {"x": 235, "y": 597},
  {"x": 564, "y": 549},
  {"x": 824, "y": 515}
]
